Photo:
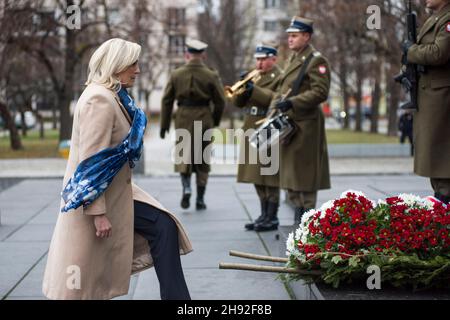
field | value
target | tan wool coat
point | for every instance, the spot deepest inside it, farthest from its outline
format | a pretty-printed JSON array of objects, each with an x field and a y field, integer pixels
[{"x": 79, "y": 264}]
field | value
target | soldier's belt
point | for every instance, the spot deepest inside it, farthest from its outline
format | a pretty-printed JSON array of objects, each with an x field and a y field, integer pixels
[
  {"x": 255, "y": 111},
  {"x": 193, "y": 103}
]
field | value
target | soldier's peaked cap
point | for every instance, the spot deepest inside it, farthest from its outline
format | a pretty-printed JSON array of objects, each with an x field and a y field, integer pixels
[
  {"x": 299, "y": 24},
  {"x": 264, "y": 50},
  {"x": 195, "y": 46}
]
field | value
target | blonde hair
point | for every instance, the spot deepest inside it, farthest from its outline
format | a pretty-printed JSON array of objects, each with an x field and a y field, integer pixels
[{"x": 112, "y": 57}]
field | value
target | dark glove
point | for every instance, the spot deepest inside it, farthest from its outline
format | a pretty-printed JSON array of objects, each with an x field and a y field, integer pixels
[
  {"x": 406, "y": 45},
  {"x": 243, "y": 74},
  {"x": 248, "y": 89},
  {"x": 163, "y": 132},
  {"x": 284, "y": 106}
]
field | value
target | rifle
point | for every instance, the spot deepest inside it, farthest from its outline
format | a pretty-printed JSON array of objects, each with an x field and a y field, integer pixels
[{"x": 409, "y": 74}]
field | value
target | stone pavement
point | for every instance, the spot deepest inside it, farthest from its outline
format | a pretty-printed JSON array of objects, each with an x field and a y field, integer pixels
[{"x": 29, "y": 208}]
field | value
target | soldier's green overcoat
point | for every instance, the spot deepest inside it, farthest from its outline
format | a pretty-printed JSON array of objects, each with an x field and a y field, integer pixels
[
  {"x": 262, "y": 94},
  {"x": 193, "y": 81},
  {"x": 304, "y": 161},
  {"x": 432, "y": 122}
]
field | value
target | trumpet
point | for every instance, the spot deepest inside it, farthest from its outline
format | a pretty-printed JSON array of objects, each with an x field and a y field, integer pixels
[{"x": 239, "y": 86}]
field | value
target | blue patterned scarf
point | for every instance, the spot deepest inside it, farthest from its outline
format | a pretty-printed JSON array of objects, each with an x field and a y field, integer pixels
[{"x": 94, "y": 174}]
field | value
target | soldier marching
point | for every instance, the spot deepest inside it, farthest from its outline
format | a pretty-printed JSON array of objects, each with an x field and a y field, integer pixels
[{"x": 195, "y": 87}]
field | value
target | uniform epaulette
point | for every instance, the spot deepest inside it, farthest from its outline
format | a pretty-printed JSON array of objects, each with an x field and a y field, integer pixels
[{"x": 214, "y": 71}]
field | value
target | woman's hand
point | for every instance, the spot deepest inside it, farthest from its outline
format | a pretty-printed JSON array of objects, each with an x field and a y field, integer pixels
[{"x": 103, "y": 226}]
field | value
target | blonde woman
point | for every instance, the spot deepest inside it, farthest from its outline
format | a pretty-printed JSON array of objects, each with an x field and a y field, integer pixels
[{"x": 109, "y": 228}]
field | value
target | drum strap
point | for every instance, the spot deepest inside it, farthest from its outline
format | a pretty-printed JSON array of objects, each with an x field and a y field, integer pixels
[
  {"x": 301, "y": 76},
  {"x": 295, "y": 90}
]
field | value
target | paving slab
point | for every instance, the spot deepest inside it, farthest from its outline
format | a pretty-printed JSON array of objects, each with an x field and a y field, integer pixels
[
  {"x": 31, "y": 285},
  {"x": 29, "y": 212},
  {"x": 32, "y": 233},
  {"x": 17, "y": 259},
  {"x": 213, "y": 284}
]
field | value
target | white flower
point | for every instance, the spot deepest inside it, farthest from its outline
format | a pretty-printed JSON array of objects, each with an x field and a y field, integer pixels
[
  {"x": 316, "y": 223},
  {"x": 327, "y": 205},
  {"x": 301, "y": 257},
  {"x": 304, "y": 238},
  {"x": 307, "y": 216},
  {"x": 428, "y": 203},
  {"x": 298, "y": 234},
  {"x": 290, "y": 244},
  {"x": 409, "y": 199},
  {"x": 381, "y": 201},
  {"x": 357, "y": 193}
]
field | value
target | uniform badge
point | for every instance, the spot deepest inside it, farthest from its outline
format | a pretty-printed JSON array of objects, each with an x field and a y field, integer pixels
[
  {"x": 322, "y": 69},
  {"x": 448, "y": 27}
]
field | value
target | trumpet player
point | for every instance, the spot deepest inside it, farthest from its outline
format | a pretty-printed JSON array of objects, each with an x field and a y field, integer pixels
[{"x": 254, "y": 98}]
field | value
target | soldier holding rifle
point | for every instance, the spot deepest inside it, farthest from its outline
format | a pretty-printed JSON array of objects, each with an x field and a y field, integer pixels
[{"x": 431, "y": 120}]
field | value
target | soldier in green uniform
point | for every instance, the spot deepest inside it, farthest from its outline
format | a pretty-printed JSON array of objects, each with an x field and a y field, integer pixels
[
  {"x": 304, "y": 167},
  {"x": 255, "y": 101},
  {"x": 431, "y": 121},
  {"x": 195, "y": 87}
]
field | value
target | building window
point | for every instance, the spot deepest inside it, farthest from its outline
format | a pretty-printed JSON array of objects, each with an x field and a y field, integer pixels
[
  {"x": 176, "y": 44},
  {"x": 269, "y": 4},
  {"x": 271, "y": 26},
  {"x": 176, "y": 18}
]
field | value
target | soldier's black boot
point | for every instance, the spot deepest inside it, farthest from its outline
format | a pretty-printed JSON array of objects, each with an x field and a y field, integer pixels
[
  {"x": 271, "y": 222},
  {"x": 200, "y": 203},
  {"x": 442, "y": 198},
  {"x": 260, "y": 219},
  {"x": 446, "y": 200},
  {"x": 186, "y": 183},
  {"x": 299, "y": 211}
]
